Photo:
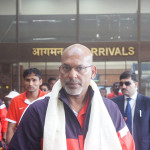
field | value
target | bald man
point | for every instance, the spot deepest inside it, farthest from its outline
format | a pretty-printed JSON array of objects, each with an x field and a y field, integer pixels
[{"x": 73, "y": 116}]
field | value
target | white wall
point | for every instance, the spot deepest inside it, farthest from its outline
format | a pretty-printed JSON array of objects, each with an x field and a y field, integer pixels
[
  {"x": 7, "y": 7},
  {"x": 145, "y": 6},
  {"x": 108, "y": 6},
  {"x": 44, "y": 7}
]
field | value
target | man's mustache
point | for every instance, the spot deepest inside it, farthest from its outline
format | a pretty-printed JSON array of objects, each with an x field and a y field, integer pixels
[
  {"x": 123, "y": 89},
  {"x": 73, "y": 81}
]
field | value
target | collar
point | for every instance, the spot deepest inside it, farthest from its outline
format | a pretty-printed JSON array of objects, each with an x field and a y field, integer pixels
[{"x": 27, "y": 101}]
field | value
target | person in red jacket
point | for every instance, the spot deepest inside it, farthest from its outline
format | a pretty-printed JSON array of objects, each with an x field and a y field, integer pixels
[
  {"x": 3, "y": 123},
  {"x": 115, "y": 91},
  {"x": 32, "y": 82}
]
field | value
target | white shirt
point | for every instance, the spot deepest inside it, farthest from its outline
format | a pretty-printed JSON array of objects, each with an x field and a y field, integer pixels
[{"x": 132, "y": 104}]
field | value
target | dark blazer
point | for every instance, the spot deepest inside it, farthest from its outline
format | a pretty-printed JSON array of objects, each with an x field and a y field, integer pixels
[{"x": 141, "y": 124}]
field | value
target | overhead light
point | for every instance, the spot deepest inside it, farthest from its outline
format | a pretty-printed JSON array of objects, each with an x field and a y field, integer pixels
[
  {"x": 90, "y": 19},
  {"x": 49, "y": 21},
  {"x": 43, "y": 39},
  {"x": 20, "y": 22},
  {"x": 127, "y": 19},
  {"x": 72, "y": 19},
  {"x": 97, "y": 35}
]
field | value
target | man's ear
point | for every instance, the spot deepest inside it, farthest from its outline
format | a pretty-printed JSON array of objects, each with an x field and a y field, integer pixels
[
  {"x": 136, "y": 84},
  {"x": 41, "y": 81},
  {"x": 59, "y": 73},
  {"x": 94, "y": 71}
]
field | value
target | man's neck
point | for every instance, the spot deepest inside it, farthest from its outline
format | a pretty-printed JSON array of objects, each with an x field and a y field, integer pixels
[
  {"x": 31, "y": 96},
  {"x": 116, "y": 92},
  {"x": 77, "y": 102}
]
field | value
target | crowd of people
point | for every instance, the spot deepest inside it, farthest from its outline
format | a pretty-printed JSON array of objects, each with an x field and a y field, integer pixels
[{"x": 71, "y": 113}]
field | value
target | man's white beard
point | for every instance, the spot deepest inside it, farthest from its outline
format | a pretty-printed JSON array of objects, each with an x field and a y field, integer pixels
[{"x": 72, "y": 92}]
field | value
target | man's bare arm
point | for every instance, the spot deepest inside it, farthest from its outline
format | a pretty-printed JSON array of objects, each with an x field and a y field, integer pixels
[{"x": 10, "y": 131}]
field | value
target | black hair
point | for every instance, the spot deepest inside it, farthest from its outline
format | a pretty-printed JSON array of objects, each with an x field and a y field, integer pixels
[
  {"x": 128, "y": 74},
  {"x": 51, "y": 78},
  {"x": 29, "y": 71},
  {"x": 103, "y": 89},
  {"x": 115, "y": 84},
  {"x": 45, "y": 84}
]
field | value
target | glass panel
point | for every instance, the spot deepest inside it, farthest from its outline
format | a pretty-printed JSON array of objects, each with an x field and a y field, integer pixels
[
  {"x": 145, "y": 20},
  {"x": 14, "y": 77},
  {"x": 23, "y": 66},
  {"x": 53, "y": 65},
  {"x": 113, "y": 71},
  {"x": 5, "y": 79},
  {"x": 145, "y": 78},
  {"x": 53, "y": 70},
  {"x": 100, "y": 77},
  {"x": 47, "y": 21},
  {"x": 110, "y": 79},
  {"x": 115, "y": 67},
  {"x": 108, "y": 21},
  {"x": 100, "y": 67},
  {"x": 39, "y": 65},
  {"x": 7, "y": 21},
  {"x": 132, "y": 65}
]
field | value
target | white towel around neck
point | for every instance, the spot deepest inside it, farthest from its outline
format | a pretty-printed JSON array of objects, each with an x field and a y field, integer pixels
[{"x": 101, "y": 134}]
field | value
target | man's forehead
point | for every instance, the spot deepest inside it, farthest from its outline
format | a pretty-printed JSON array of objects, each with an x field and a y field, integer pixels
[
  {"x": 78, "y": 62},
  {"x": 73, "y": 65},
  {"x": 76, "y": 57},
  {"x": 126, "y": 79},
  {"x": 52, "y": 81},
  {"x": 31, "y": 76}
]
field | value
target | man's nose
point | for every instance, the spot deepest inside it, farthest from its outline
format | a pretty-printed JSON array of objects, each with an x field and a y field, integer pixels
[
  {"x": 123, "y": 86},
  {"x": 73, "y": 73},
  {"x": 31, "y": 82}
]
